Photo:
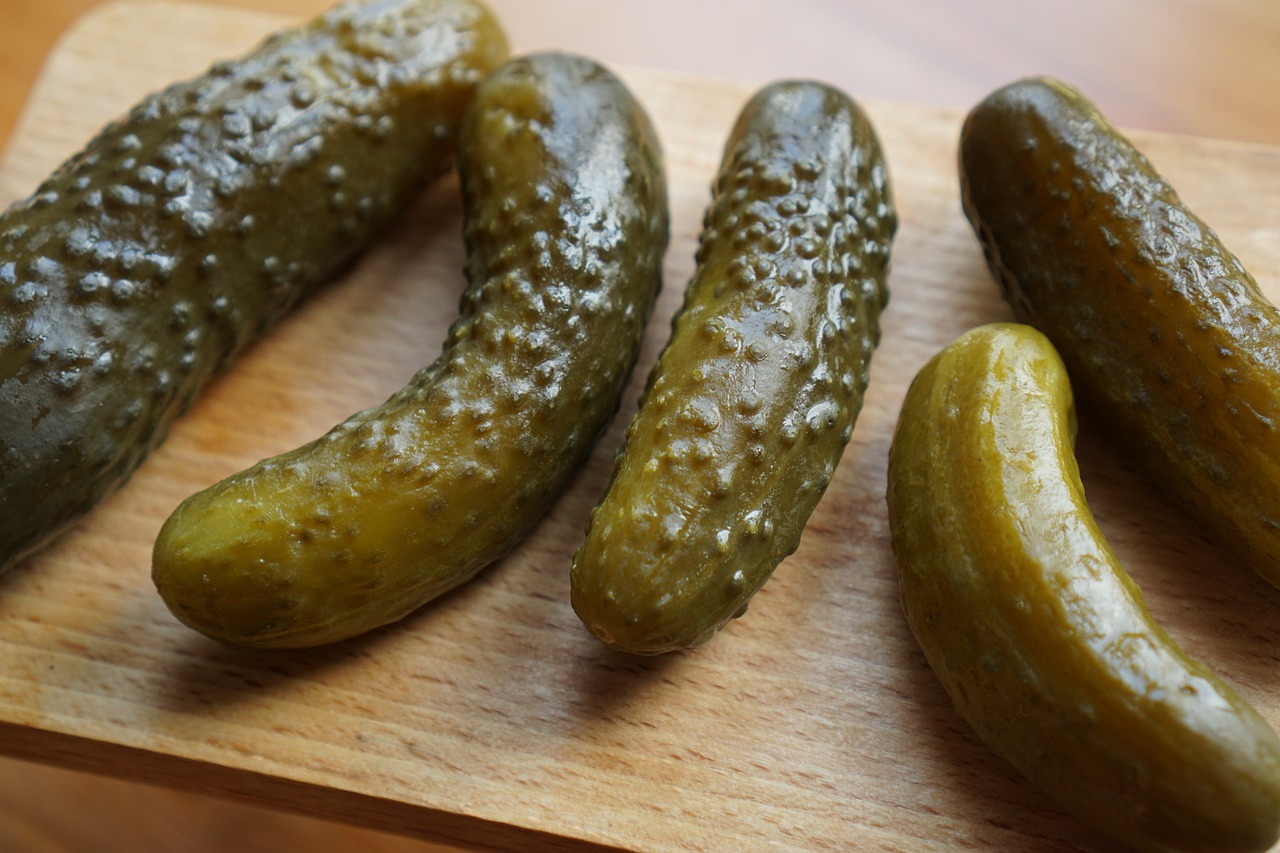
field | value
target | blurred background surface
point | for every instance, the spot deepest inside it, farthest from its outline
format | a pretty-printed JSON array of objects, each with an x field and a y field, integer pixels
[
  {"x": 1204, "y": 67},
  {"x": 1200, "y": 67}
]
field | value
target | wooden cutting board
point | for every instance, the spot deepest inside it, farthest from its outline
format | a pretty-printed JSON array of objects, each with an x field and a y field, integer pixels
[{"x": 490, "y": 717}]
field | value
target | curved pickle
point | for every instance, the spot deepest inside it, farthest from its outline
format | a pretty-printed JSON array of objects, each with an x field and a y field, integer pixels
[
  {"x": 565, "y": 226},
  {"x": 1038, "y": 635},
  {"x": 1166, "y": 336},
  {"x": 755, "y": 396},
  {"x": 147, "y": 262}
]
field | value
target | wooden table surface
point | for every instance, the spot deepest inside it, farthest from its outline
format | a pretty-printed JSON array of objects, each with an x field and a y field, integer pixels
[{"x": 1202, "y": 67}]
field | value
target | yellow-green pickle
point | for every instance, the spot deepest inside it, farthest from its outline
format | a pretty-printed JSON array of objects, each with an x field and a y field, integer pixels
[
  {"x": 150, "y": 259},
  {"x": 565, "y": 207},
  {"x": 1166, "y": 336},
  {"x": 1040, "y": 638},
  {"x": 754, "y": 398}
]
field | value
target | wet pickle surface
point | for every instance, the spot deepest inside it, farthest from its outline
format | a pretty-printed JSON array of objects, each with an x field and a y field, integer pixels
[
  {"x": 754, "y": 398},
  {"x": 1166, "y": 336},
  {"x": 150, "y": 259},
  {"x": 1039, "y": 636},
  {"x": 566, "y": 223}
]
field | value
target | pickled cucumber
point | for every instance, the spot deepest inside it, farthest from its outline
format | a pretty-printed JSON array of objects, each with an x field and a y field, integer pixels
[
  {"x": 1038, "y": 635},
  {"x": 150, "y": 259},
  {"x": 751, "y": 403},
  {"x": 565, "y": 227},
  {"x": 1166, "y": 336}
]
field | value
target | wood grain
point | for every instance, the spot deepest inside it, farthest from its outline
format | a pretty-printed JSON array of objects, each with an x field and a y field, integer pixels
[{"x": 491, "y": 718}]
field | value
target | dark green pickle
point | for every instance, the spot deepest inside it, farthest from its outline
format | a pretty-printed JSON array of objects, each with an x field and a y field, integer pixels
[
  {"x": 752, "y": 402},
  {"x": 1165, "y": 335},
  {"x": 566, "y": 222},
  {"x": 150, "y": 259}
]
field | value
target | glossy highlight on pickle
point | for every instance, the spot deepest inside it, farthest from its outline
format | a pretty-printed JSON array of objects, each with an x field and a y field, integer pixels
[
  {"x": 565, "y": 208},
  {"x": 1036, "y": 632},
  {"x": 1166, "y": 336},
  {"x": 755, "y": 396},
  {"x": 148, "y": 261}
]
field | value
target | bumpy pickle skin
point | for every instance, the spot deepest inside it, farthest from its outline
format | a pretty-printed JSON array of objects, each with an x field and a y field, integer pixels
[
  {"x": 1166, "y": 336},
  {"x": 148, "y": 261},
  {"x": 754, "y": 398},
  {"x": 1039, "y": 636},
  {"x": 566, "y": 222}
]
